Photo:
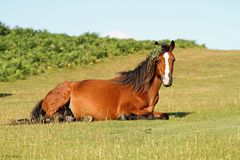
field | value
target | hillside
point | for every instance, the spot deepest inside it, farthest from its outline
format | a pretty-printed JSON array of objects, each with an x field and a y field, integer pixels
[{"x": 25, "y": 51}]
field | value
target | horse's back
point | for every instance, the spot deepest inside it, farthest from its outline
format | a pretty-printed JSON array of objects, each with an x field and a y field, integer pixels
[{"x": 97, "y": 98}]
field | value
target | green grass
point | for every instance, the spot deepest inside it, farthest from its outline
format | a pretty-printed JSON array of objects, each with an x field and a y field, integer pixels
[{"x": 206, "y": 85}]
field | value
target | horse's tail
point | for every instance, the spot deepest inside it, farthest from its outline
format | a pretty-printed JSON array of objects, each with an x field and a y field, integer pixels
[{"x": 37, "y": 112}]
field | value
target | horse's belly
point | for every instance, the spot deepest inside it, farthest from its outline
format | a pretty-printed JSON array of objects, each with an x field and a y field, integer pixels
[
  {"x": 93, "y": 107},
  {"x": 97, "y": 100}
]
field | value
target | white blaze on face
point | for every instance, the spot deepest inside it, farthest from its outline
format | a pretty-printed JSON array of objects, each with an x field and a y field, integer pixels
[{"x": 166, "y": 77}]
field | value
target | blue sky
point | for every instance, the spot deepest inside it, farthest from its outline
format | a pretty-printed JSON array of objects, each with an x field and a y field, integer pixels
[{"x": 213, "y": 22}]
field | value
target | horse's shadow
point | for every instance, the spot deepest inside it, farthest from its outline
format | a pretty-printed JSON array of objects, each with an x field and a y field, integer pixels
[
  {"x": 178, "y": 114},
  {"x": 5, "y": 95}
]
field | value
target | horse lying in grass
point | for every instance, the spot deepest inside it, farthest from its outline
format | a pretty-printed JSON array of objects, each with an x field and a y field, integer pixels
[{"x": 131, "y": 95}]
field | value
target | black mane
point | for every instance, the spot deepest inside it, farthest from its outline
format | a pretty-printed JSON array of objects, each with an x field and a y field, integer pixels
[{"x": 141, "y": 77}]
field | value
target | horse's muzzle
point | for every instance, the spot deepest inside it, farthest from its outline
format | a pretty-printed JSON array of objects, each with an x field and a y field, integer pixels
[
  {"x": 168, "y": 85},
  {"x": 167, "y": 81}
]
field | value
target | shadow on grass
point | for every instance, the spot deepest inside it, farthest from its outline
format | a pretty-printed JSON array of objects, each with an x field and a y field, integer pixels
[
  {"x": 178, "y": 114},
  {"x": 15, "y": 122},
  {"x": 5, "y": 94}
]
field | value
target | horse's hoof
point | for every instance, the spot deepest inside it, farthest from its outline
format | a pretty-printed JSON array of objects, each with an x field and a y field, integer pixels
[
  {"x": 69, "y": 119},
  {"x": 87, "y": 119},
  {"x": 122, "y": 117},
  {"x": 164, "y": 116}
]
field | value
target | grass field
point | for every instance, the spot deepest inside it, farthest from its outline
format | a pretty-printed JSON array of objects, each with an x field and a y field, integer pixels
[{"x": 204, "y": 101}]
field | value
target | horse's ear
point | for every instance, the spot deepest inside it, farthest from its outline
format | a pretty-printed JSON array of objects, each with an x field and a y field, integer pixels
[
  {"x": 156, "y": 43},
  {"x": 172, "y": 45}
]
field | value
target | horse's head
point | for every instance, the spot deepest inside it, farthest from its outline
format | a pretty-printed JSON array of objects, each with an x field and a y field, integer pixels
[{"x": 165, "y": 63}]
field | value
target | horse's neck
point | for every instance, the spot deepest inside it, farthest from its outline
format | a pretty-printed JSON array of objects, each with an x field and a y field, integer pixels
[{"x": 154, "y": 88}]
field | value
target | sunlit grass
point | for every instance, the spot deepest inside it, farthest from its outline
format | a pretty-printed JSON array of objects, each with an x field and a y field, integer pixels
[{"x": 206, "y": 85}]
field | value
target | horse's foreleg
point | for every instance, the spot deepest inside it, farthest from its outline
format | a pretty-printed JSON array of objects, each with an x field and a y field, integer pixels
[
  {"x": 152, "y": 104},
  {"x": 157, "y": 115},
  {"x": 134, "y": 113}
]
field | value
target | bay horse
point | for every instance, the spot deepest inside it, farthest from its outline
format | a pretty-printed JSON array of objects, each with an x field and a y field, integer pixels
[{"x": 131, "y": 93}]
